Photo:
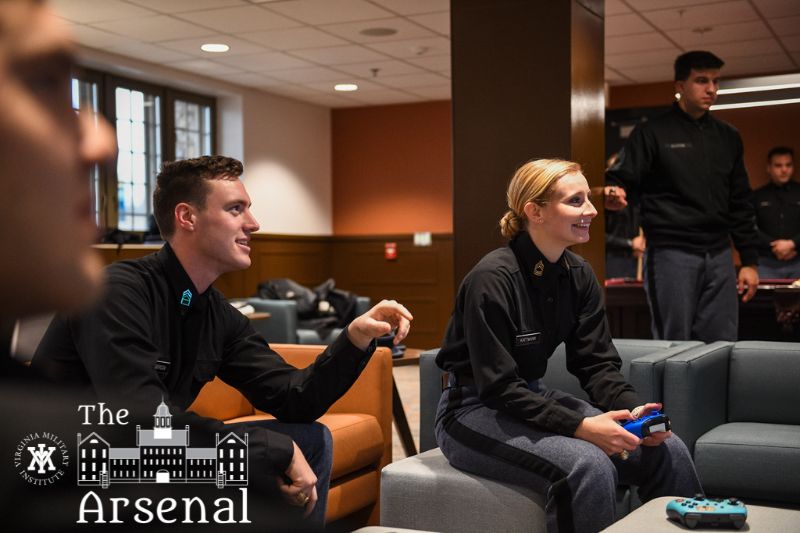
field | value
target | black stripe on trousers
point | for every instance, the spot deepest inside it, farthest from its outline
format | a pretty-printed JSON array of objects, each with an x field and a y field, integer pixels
[
  {"x": 470, "y": 438},
  {"x": 651, "y": 285}
]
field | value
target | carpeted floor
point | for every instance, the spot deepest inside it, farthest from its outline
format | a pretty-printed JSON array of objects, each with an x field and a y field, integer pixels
[{"x": 407, "y": 379}]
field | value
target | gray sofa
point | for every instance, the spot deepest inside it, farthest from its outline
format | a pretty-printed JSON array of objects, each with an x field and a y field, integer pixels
[
  {"x": 737, "y": 406},
  {"x": 282, "y": 326},
  {"x": 425, "y": 492}
]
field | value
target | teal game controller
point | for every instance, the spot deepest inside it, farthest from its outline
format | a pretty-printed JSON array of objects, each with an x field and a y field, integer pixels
[{"x": 702, "y": 511}]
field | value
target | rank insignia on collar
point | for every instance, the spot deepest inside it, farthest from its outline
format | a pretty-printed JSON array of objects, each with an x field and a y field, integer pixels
[
  {"x": 186, "y": 298},
  {"x": 538, "y": 270}
]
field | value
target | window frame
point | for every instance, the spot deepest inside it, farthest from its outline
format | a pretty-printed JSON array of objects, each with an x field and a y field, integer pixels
[
  {"x": 107, "y": 83},
  {"x": 169, "y": 118}
]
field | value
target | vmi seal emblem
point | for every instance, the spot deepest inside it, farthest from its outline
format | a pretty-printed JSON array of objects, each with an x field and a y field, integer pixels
[{"x": 41, "y": 458}]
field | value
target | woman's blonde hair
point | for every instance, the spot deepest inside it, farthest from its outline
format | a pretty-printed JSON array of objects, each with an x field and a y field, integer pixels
[{"x": 532, "y": 182}]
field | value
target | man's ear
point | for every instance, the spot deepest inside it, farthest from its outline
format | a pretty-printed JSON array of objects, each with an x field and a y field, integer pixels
[
  {"x": 533, "y": 212},
  {"x": 185, "y": 217},
  {"x": 679, "y": 87}
]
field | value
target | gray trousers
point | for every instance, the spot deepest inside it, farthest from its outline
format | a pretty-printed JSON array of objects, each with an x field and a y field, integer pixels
[
  {"x": 579, "y": 481},
  {"x": 692, "y": 296}
]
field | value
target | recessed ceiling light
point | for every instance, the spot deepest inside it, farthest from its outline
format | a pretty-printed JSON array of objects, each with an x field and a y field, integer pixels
[
  {"x": 378, "y": 32},
  {"x": 215, "y": 48},
  {"x": 345, "y": 87}
]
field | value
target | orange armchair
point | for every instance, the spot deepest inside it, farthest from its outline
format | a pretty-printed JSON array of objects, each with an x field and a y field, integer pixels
[{"x": 360, "y": 423}]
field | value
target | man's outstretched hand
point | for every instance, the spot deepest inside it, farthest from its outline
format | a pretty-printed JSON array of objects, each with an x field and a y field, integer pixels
[{"x": 386, "y": 316}]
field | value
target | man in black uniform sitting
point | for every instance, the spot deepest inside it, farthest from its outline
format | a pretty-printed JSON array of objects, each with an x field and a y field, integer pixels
[{"x": 163, "y": 330}]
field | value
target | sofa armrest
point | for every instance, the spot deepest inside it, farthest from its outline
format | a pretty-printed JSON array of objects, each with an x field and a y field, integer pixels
[
  {"x": 646, "y": 373},
  {"x": 371, "y": 394},
  {"x": 281, "y": 326},
  {"x": 696, "y": 390},
  {"x": 430, "y": 391}
]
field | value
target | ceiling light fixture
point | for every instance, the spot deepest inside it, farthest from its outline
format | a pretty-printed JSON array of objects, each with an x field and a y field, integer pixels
[
  {"x": 761, "y": 103},
  {"x": 378, "y": 32},
  {"x": 215, "y": 48},
  {"x": 775, "y": 87},
  {"x": 345, "y": 87}
]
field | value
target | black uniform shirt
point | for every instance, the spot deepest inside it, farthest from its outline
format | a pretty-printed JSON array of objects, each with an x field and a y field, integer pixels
[
  {"x": 511, "y": 312},
  {"x": 777, "y": 214},
  {"x": 692, "y": 184},
  {"x": 153, "y": 335}
]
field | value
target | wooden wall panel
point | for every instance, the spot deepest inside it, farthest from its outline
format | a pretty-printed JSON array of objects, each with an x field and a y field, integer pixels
[
  {"x": 421, "y": 278},
  {"x": 304, "y": 259}
]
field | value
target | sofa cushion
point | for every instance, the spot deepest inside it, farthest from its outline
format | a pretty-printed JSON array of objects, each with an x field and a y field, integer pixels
[
  {"x": 357, "y": 441},
  {"x": 763, "y": 382},
  {"x": 750, "y": 460},
  {"x": 425, "y": 492}
]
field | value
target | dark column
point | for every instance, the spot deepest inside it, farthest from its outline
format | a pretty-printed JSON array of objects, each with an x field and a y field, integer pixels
[{"x": 527, "y": 83}]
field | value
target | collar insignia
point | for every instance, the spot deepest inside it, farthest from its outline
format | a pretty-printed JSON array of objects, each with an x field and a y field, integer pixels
[{"x": 186, "y": 298}]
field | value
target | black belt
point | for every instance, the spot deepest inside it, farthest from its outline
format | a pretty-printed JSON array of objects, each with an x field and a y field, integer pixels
[{"x": 452, "y": 379}]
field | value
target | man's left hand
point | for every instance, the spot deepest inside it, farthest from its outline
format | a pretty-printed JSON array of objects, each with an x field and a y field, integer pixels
[
  {"x": 783, "y": 249},
  {"x": 380, "y": 320},
  {"x": 656, "y": 438},
  {"x": 748, "y": 276}
]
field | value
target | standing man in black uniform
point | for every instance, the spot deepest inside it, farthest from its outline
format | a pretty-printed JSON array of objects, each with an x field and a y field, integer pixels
[
  {"x": 777, "y": 206},
  {"x": 163, "y": 330},
  {"x": 497, "y": 418},
  {"x": 686, "y": 170}
]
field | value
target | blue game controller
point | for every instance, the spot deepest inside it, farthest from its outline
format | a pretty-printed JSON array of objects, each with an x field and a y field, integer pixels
[
  {"x": 702, "y": 511},
  {"x": 645, "y": 426}
]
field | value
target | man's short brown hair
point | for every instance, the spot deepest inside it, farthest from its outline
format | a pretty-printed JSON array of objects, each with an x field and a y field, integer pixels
[{"x": 184, "y": 181}]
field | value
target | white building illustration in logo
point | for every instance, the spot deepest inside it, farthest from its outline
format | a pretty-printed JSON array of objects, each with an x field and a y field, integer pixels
[{"x": 162, "y": 455}]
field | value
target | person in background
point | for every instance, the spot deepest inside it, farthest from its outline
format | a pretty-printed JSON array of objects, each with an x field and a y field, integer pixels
[
  {"x": 625, "y": 243},
  {"x": 685, "y": 169},
  {"x": 777, "y": 206},
  {"x": 497, "y": 418}
]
